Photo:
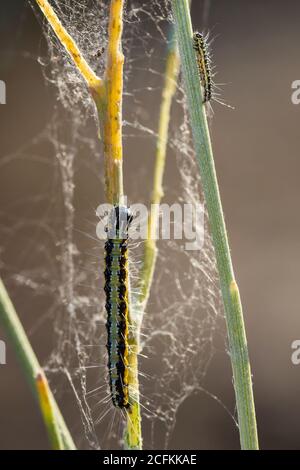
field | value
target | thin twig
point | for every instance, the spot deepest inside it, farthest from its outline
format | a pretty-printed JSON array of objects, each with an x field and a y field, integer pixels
[
  {"x": 93, "y": 81},
  {"x": 150, "y": 248}
]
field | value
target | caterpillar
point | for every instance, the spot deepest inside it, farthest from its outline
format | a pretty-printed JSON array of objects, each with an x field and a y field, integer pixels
[
  {"x": 116, "y": 290},
  {"x": 99, "y": 52},
  {"x": 203, "y": 61}
]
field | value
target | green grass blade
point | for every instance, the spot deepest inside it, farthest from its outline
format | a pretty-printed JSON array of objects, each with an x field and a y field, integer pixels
[
  {"x": 233, "y": 309},
  {"x": 54, "y": 420}
]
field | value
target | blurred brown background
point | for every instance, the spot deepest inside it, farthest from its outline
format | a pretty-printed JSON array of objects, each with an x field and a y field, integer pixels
[{"x": 256, "y": 151}]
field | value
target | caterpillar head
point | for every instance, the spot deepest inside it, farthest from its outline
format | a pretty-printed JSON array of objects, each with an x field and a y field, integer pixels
[
  {"x": 198, "y": 35},
  {"x": 119, "y": 221}
]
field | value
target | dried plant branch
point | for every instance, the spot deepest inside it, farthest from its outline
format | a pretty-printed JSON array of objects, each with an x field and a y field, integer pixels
[
  {"x": 110, "y": 115},
  {"x": 92, "y": 80},
  {"x": 107, "y": 94}
]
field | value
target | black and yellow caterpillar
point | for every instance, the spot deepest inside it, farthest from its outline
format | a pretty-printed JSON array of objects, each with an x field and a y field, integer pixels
[
  {"x": 203, "y": 61},
  {"x": 117, "y": 298}
]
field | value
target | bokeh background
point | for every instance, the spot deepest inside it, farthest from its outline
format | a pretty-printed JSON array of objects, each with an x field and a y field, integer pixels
[{"x": 257, "y": 159}]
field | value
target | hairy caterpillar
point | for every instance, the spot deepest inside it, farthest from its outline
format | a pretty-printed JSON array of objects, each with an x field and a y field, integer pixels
[
  {"x": 203, "y": 61},
  {"x": 116, "y": 289}
]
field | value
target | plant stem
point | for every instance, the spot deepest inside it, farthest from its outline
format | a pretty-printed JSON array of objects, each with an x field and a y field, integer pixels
[
  {"x": 150, "y": 249},
  {"x": 69, "y": 44},
  {"x": 48, "y": 412},
  {"x": 233, "y": 309},
  {"x": 107, "y": 95},
  {"x": 32, "y": 369},
  {"x": 132, "y": 439},
  {"x": 133, "y": 432},
  {"x": 111, "y": 117}
]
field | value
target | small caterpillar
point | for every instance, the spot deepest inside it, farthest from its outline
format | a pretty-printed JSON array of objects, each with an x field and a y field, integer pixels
[
  {"x": 116, "y": 289},
  {"x": 99, "y": 52},
  {"x": 203, "y": 61}
]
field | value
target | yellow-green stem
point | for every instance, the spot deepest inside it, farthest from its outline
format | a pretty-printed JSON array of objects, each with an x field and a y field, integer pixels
[
  {"x": 107, "y": 94},
  {"x": 150, "y": 248},
  {"x": 110, "y": 116},
  {"x": 54, "y": 420},
  {"x": 48, "y": 411}
]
